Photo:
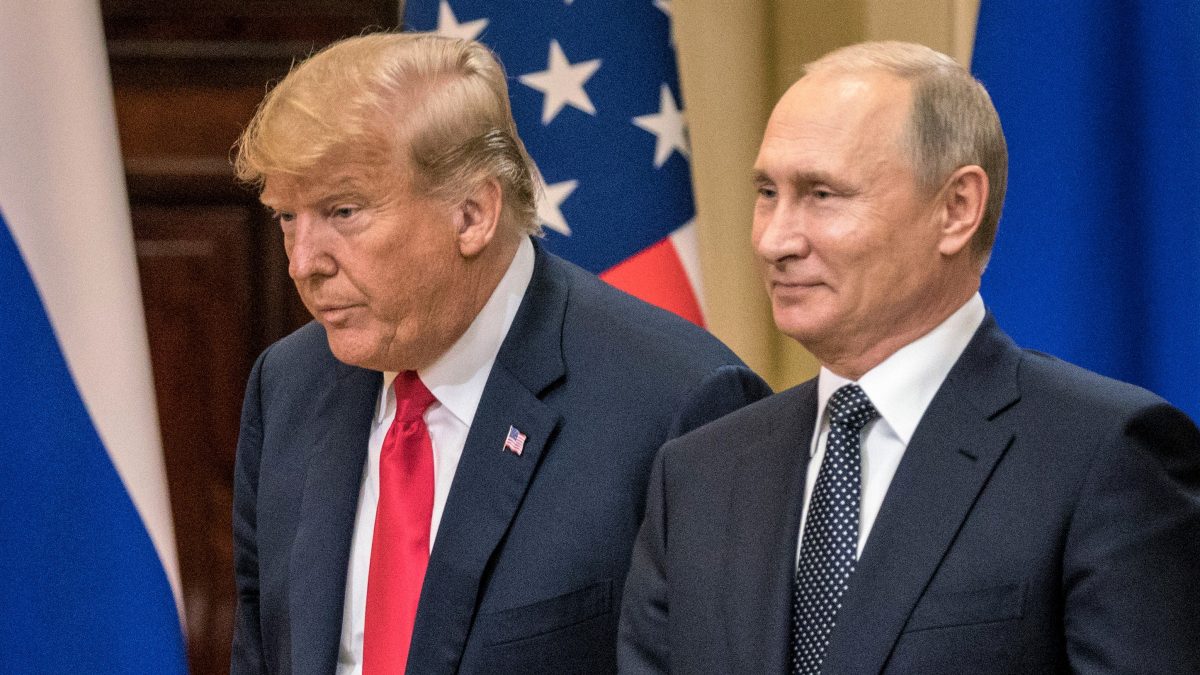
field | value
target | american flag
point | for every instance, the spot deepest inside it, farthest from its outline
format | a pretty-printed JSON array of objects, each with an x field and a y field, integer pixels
[
  {"x": 595, "y": 93},
  {"x": 515, "y": 441}
]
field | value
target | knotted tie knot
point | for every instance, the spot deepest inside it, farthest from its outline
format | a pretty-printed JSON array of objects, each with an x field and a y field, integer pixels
[
  {"x": 850, "y": 408},
  {"x": 413, "y": 398}
]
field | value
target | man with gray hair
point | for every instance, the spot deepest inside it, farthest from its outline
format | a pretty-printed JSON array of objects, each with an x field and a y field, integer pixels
[
  {"x": 444, "y": 471},
  {"x": 936, "y": 500}
]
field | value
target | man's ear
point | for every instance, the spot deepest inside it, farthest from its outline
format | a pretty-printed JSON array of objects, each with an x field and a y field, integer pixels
[
  {"x": 477, "y": 218},
  {"x": 964, "y": 197}
]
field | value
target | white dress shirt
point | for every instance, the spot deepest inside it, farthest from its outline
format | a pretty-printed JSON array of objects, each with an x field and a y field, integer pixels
[
  {"x": 456, "y": 379},
  {"x": 901, "y": 388}
]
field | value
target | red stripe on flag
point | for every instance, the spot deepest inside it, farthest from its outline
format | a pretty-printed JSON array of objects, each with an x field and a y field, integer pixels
[{"x": 656, "y": 275}]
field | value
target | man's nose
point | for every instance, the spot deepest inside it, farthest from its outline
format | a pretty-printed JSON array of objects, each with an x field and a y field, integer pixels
[
  {"x": 782, "y": 234},
  {"x": 308, "y": 250}
]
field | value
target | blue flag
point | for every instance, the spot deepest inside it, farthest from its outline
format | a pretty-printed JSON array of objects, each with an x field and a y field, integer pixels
[
  {"x": 595, "y": 94},
  {"x": 1097, "y": 259},
  {"x": 86, "y": 546}
]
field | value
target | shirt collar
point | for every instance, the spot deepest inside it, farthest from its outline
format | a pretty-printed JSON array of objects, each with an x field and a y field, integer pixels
[
  {"x": 457, "y": 378},
  {"x": 904, "y": 384}
]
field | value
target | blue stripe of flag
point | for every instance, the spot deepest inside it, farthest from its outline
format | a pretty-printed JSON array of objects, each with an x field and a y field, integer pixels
[
  {"x": 82, "y": 589},
  {"x": 1098, "y": 255}
]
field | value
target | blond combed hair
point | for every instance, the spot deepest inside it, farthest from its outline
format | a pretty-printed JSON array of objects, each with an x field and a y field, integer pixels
[
  {"x": 953, "y": 122},
  {"x": 435, "y": 106}
]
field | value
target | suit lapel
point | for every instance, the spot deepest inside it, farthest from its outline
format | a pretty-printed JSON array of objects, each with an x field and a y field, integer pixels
[
  {"x": 321, "y": 549},
  {"x": 490, "y": 482},
  {"x": 948, "y": 461},
  {"x": 760, "y": 545}
]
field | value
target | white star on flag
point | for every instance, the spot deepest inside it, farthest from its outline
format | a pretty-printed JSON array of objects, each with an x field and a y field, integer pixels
[
  {"x": 668, "y": 125},
  {"x": 449, "y": 26},
  {"x": 562, "y": 83},
  {"x": 549, "y": 204}
]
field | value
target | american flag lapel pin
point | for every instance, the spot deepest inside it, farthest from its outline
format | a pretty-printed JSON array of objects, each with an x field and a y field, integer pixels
[{"x": 515, "y": 441}]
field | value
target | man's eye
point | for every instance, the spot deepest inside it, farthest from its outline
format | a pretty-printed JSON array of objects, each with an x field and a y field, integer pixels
[
  {"x": 766, "y": 192},
  {"x": 822, "y": 194},
  {"x": 282, "y": 217},
  {"x": 344, "y": 211}
]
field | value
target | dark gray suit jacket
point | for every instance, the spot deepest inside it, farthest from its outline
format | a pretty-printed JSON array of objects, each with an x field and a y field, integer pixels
[
  {"x": 1043, "y": 519},
  {"x": 528, "y": 567}
]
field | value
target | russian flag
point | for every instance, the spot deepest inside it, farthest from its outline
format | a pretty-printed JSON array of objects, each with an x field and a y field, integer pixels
[
  {"x": 595, "y": 94},
  {"x": 88, "y": 571}
]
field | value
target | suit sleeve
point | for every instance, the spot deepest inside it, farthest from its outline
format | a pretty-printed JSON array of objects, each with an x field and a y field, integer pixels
[
  {"x": 642, "y": 637},
  {"x": 247, "y": 656},
  {"x": 1131, "y": 569},
  {"x": 722, "y": 391}
]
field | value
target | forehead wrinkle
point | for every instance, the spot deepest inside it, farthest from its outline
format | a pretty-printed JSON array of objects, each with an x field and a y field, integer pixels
[
  {"x": 800, "y": 161},
  {"x": 323, "y": 186},
  {"x": 849, "y": 102},
  {"x": 832, "y": 127}
]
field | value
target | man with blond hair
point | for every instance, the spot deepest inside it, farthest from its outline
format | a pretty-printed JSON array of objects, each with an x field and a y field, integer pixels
[
  {"x": 936, "y": 500},
  {"x": 445, "y": 470}
]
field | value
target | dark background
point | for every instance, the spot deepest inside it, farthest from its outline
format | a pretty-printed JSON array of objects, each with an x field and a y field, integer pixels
[{"x": 187, "y": 77}]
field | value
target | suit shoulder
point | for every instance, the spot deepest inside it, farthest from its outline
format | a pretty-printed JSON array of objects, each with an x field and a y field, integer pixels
[
  {"x": 1089, "y": 410},
  {"x": 763, "y": 417},
  {"x": 599, "y": 313},
  {"x": 1048, "y": 378},
  {"x": 303, "y": 345},
  {"x": 296, "y": 363}
]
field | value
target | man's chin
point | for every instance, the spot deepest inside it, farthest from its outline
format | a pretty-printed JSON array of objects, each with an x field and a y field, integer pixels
[
  {"x": 350, "y": 349},
  {"x": 364, "y": 352},
  {"x": 802, "y": 326}
]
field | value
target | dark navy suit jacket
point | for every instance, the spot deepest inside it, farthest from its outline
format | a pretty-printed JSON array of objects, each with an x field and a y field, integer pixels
[
  {"x": 528, "y": 567},
  {"x": 1043, "y": 519}
]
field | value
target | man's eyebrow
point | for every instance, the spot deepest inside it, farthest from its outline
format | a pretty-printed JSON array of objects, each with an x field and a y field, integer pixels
[
  {"x": 340, "y": 188},
  {"x": 760, "y": 177}
]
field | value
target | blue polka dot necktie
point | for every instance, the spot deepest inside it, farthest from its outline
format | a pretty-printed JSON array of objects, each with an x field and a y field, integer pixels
[{"x": 828, "y": 550}]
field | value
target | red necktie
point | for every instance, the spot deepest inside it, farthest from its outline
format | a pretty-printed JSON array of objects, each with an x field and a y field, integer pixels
[{"x": 400, "y": 545}]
